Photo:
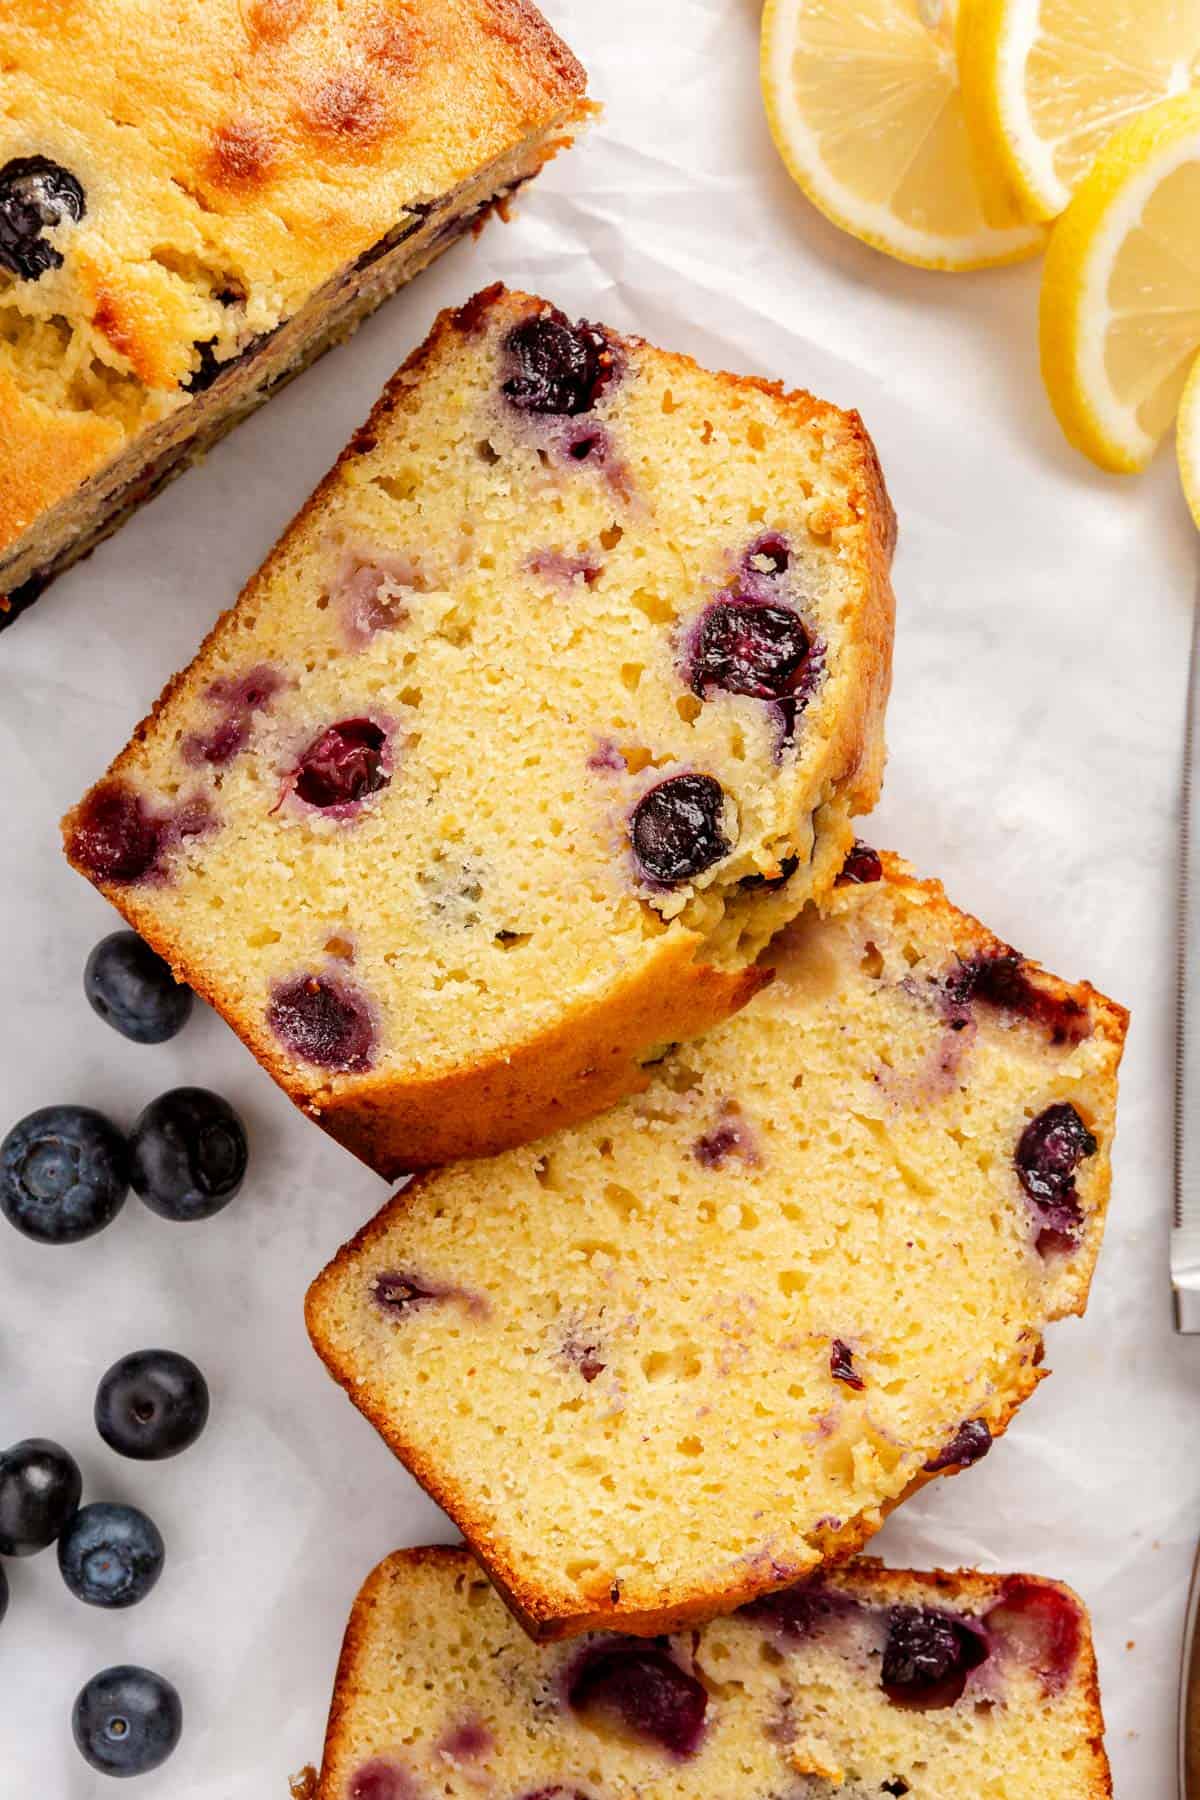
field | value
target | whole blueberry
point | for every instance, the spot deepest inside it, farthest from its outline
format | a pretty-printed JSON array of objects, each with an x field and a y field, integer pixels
[
  {"x": 133, "y": 990},
  {"x": 110, "y": 1555},
  {"x": 64, "y": 1174},
  {"x": 40, "y": 1486},
  {"x": 556, "y": 367},
  {"x": 35, "y": 194},
  {"x": 151, "y": 1404},
  {"x": 928, "y": 1657},
  {"x": 676, "y": 828},
  {"x": 187, "y": 1154},
  {"x": 126, "y": 1721}
]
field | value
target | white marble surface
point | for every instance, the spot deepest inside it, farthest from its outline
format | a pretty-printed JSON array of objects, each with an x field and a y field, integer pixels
[{"x": 1035, "y": 729}]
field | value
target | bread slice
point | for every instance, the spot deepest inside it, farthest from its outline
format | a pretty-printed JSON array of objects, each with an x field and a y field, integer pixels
[
  {"x": 874, "y": 1682},
  {"x": 679, "y": 1356},
  {"x": 552, "y": 705},
  {"x": 197, "y": 197}
]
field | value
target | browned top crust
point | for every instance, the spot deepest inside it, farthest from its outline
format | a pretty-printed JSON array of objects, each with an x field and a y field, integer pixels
[{"x": 233, "y": 155}]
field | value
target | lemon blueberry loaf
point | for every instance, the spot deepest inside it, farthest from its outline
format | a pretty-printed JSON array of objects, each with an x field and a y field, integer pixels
[
  {"x": 178, "y": 234},
  {"x": 553, "y": 704},
  {"x": 872, "y": 1683},
  {"x": 675, "y": 1358}
]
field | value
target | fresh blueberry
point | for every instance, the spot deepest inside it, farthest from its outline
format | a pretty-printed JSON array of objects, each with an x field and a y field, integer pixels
[
  {"x": 344, "y": 764},
  {"x": 557, "y": 367},
  {"x": 113, "y": 837},
  {"x": 133, "y": 990},
  {"x": 35, "y": 194},
  {"x": 64, "y": 1174},
  {"x": 748, "y": 647},
  {"x": 126, "y": 1721},
  {"x": 110, "y": 1555},
  {"x": 324, "y": 1022},
  {"x": 644, "y": 1689},
  {"x": 187, "y": 1154},
  {"x": 928, "y": 1656},
  {"x": 151, "y": 1404},
  {"x": 40, "y": 1486},
  {"x": 676, "y": 829}
]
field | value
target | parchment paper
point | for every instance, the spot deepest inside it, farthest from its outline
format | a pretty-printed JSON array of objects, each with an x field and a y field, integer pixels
[{"x": 1035, "y": 731}]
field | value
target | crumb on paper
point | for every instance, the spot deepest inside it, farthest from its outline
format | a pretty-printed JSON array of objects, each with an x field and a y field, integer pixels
[{"x": 304, "y": 1785}]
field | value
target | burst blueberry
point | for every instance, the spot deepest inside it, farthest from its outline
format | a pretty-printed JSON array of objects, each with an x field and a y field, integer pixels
[
  {"x": 557, "y": 367},
  {"x": 40, "y": 1489},
  {"x": 151, "y": 1404},
  {"x": 132, "y": 989},
  {"x": 1050, "y": 1150},
  {"x": 343, "y": 765},
  {"x": 126, "y": 1721},
  {"x": 64, "y": 1174},
  {"x": 750, "y": 647},
  {"x": 187, "y": 1154},
  {"x": 642, "y": 1688},
  {"x": 110, "y": 1556},
  {"x": 113, "y": 837},
  {"x": 324, "y": 1022},
  {"x": 928, "y": 1657}
]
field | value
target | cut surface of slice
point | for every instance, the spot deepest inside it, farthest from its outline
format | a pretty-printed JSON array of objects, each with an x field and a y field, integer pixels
[
  {"x": 1046, "y": 83},
  {"x": 864, "y": 104},
  {"x": 1188, "y": 441},
  {"x": 1120, "y": 307},
  {"x": 550, "y": 708},
  {"x": 873, "y": 1683},
  {"x": 716, "y": 1334}
]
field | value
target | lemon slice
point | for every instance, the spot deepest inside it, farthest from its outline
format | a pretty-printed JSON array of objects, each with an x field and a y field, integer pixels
[
  {"x": 1187, "y": 439},
  {"x": 1120, "y": 310},
  {"x": 863, "y": 101},
  {"x": 1047, "y": 83}
]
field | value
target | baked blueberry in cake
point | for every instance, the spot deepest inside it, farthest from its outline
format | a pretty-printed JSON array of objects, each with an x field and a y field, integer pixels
[
  {"x": 181, "y": 234},
  {"x": 875, "y": 1682},
  {"x": 553, "y": 705},
  {"x": 717, "y": 1334}
]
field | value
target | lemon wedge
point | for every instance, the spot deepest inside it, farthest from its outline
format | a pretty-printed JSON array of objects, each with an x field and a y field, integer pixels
[
  {"x": 1187, "y": 439},
  {"x": 1046, "y": 83},
  {"x": 863, "y": 101},
  {"x": 1120, "y": 306}
]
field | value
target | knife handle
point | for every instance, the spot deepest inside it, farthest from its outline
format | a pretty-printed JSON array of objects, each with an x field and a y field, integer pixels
[{"x": 1189, "y": 1696}]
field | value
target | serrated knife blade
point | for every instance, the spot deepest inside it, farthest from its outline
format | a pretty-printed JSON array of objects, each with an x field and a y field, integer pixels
[{"x": 1185, "y": 1225}]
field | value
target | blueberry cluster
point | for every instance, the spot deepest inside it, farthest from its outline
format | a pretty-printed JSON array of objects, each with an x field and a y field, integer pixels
[
  {"x": 151, "y": 1404},
  {"x": 65, "y": 1173}
]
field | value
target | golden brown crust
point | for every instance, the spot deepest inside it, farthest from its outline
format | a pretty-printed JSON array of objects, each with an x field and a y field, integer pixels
[
  {"x": 965, "y": 1589},
  {"x": 299, "y": 135},
  {"x": 578, "y": 1066}
]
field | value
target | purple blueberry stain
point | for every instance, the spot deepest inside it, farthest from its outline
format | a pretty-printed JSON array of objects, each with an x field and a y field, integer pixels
[
  {"x": 1049, "y": 1152},
  {"x": 115, "y": 836},
  {"x": 677, "y": 829},
  {"x": 638, "y": 1686},
  {"x": 804, "y": 1610},
  {"x": 562, "y": 570},
  {"x": 1040, "y": 1626},
  {"x": 970, "y": 1444},
  {"x": 343, "y": 766},
  {"x": 381, "y": 1780},
  {"x": 730, "y": 1136},
  {"x": 554, "y": 367},
  {"x": 368, "y": 594},
  {"x": 584, "y": 1356},
  {"x": 323, "y": 1021},
  {"x": 606, "y": 758},
  {"x": 765, "y": 560},
  {"x": 841, "y": 1366},
  {"x": 863, "y": 865},
  {"x": 1000, "y": 978},
  {"x": 236, "y": 700},
  {"x": 398, "y": 1291},
  {"x": 468, "y": 1741},
  {"x": 928, "y": 1657}
]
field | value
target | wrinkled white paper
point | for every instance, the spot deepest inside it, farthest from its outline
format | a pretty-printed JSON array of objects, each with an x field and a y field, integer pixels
[{"x": 1035, "y": 732}]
